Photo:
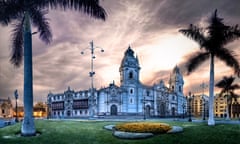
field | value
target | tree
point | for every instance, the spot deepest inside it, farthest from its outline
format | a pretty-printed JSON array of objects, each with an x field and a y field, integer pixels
[
  {"x": 212, "y": 41},
  {"x": 227, "y": 86},
  {"x": 23, "y": 14}
]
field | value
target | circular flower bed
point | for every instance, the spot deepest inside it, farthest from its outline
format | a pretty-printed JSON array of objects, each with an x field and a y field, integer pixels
[{"x": 143, "y": 127}]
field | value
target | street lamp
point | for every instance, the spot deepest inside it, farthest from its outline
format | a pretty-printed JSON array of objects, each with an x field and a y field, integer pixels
[
  {"x": 144, "y": 110},
  {"x": 16, "y": 97},
  {"x": 204, "y": 103},
  {"x": 91, "y": 74},
  {"x": 203, "y": 86},
  {"x": 190, "y": 99},
  {"x": 183, "y": 106}
]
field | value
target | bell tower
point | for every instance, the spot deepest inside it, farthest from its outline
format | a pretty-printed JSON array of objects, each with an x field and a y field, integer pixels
[
  {"x": 176, "y": 81},
  {"x": 129, "y": 69}
]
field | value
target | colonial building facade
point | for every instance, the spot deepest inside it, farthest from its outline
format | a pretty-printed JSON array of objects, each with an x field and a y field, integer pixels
[
  {"x": 6, "y": 108},
  {"x": 130, "y": 98}
]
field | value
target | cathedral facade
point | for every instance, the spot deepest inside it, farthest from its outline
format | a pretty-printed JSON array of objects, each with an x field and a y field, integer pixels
[{"x": 131, "y": 98}]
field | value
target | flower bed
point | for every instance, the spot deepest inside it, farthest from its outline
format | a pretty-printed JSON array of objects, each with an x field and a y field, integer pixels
[{"x": 143, "y": 127}]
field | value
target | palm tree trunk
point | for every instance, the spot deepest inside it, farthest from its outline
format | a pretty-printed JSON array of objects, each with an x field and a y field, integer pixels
[
  {"x": 227, "y": 107},
  {"x": 28, "y": 127},
  {"x": 230, "y": 109},
  {"x": 211, "y": 120}
]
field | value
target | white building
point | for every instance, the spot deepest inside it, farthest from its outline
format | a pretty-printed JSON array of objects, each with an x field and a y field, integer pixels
[{"x": 130, "y": 98}]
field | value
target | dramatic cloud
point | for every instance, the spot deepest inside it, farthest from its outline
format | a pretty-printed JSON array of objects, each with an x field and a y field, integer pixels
[{"x": 149, "y": 27}]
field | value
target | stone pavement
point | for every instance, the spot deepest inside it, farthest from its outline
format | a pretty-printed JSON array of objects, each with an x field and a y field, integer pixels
[
  {"x": 139, "y": 118},
  {"x": 6, "y": 122},
  {"x": 217, "y": 121}
]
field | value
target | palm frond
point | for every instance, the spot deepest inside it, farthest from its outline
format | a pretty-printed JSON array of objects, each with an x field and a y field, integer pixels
[
  {"x": 220, "y": 33},
  {"x": 223, "y": 93},
  {"x": 234, "y": 87},
  {"x": 214, "y": 18},
  {"x": 41, "y": 22},
  {"x": 230, "y": 34},
  {"x": 195, "y": 33},
  {"x": 233, "y": 95},
  {"x": 196, "y": 59},
  {"x": 90, "y": 7},
  {"x": 226, "y": 82},
  {"x": 17, "y": 44},
  {"x": 227, "y": 87},
  {"x": 228, "y": 57},
  {"x": 9, "y": 10}
]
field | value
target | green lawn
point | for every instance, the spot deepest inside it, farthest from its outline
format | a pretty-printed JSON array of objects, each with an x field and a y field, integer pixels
[{"x": 92, "y": 132}]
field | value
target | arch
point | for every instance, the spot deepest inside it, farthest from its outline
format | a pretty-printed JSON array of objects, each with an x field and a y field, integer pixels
[
  {"x": 113, "y": 110},
  {"x": 69, "y": 113},
  {"x": 173, "y": 111},
  {"x": 162, "y": 109},
  {"x": 130, "y": 76},
  {"x": 147, "y": 111}
]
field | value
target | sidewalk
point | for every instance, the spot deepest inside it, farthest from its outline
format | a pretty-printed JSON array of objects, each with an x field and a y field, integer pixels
[
  {"x": 148, "y": 119},
  {"x": 6, "y": 122},
  {"x": 217, "y": 121}
]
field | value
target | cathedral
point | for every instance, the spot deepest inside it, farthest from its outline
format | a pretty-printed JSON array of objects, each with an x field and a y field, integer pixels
[{"x": 131, "y": 98}]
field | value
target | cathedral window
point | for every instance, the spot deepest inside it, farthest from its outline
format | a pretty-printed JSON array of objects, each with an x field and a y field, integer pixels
[
  {"x": 131, "y": 75},
  {"x": 180, "y": 89},
  {"x": 131, "y": 101},
  {"x": 172, "y": 87},
  {"x": 131, "y": 91},
  {"x": 148, "y": 93}
]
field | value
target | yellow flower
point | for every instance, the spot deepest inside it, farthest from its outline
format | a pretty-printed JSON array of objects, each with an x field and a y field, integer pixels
[{"x": 143, "y": 127}]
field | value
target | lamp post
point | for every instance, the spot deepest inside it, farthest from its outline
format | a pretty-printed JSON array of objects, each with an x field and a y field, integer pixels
[
  {"x": 190, "y": 99},
  {"x": 91, "y": 74},
  {"x": 144, "y": 110},
  {"x": 16, "y": 97},
  {"x": 204, "y": 103},
  {"x": 203, "y": 86},
  {"x": 183, "y": 106}
]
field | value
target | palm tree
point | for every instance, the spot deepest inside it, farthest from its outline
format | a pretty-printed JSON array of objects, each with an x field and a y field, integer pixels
[
  {"x": 228, "y": 91},
  {"x": 212, "y": 41},
  {"x": 23, "y": 14}
]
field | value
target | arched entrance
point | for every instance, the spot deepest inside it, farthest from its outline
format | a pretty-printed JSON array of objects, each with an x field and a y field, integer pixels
[
  {"x": 162, "y": 109},
  {"x": 173, "y": 111},
  {"x": 147, "y": 111},
  {"x": 113, "y": 110},
  {"x": 69, "y": 113}
]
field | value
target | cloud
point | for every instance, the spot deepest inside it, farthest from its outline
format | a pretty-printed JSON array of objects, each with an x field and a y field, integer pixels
[{"x": 149, "y": 27}]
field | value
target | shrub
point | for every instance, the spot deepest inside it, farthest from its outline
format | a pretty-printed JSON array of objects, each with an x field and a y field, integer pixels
[{"x": 143, "y": 127}]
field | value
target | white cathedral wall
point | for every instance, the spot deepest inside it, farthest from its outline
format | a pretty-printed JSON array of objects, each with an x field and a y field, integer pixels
[
  {"x": 124, "y": 103},
  {"x": 102, "y": 106}
]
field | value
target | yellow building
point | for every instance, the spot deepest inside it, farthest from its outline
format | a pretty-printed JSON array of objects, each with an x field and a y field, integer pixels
[
  {"x": 199, "y": 105},
  {"x": 220, "y": 105},
  {"x": 39, "y": 111},
  {"x": 6, "y": 109}
]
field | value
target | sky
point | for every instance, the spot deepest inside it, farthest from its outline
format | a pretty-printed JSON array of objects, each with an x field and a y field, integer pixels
[{"x": 150, "y": 27}]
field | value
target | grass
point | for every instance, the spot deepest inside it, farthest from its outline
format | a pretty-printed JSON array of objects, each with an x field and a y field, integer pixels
[{"x": 92, "y": 132}]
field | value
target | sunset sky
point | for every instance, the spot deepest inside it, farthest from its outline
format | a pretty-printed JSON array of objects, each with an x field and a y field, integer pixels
[{"x": 150, "y": 27}]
